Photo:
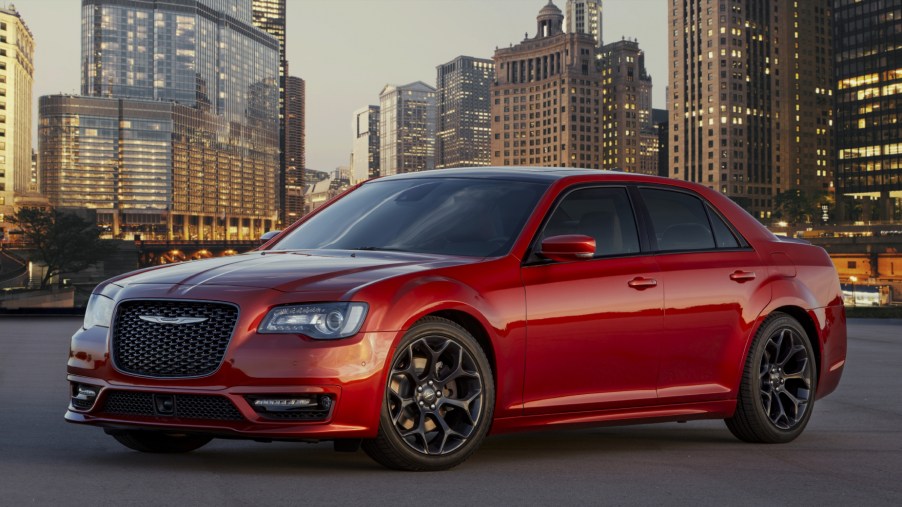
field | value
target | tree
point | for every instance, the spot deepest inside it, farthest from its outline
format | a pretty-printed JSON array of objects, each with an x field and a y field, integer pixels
[
  {"x": 64, "y": 242},
  {"x": 797, "y": 207}
]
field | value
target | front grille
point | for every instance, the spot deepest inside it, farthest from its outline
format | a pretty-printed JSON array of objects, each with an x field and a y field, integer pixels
[
  {"x": 171, "y": 350},
  {"x": 186, "y": 406}
]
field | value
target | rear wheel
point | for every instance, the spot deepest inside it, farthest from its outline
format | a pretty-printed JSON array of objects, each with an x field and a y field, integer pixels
[
  {"x": 778, "y": 384},
  {"x": 159, "y": 442},
  {"x": 439, "y": 399}
]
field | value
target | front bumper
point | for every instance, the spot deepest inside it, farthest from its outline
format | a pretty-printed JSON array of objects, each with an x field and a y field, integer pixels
[{"x": 349, "y": 372}]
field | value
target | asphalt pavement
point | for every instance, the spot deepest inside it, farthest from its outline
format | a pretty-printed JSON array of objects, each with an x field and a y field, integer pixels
[{"x": 850, "y": 454}]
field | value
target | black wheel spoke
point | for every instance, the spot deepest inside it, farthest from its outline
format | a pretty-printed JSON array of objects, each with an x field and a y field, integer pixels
[
  {"x": 785, "y": 378},
  {"x": 435, "y": 395}
]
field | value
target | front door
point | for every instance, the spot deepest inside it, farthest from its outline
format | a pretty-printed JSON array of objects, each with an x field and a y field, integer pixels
[{"x": 593, "y": 325}]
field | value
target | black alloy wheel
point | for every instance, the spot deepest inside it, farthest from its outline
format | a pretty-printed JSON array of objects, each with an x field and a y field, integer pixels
[
  {"x": 439, "y": 399},
  {"x": 778, "y": 385}
]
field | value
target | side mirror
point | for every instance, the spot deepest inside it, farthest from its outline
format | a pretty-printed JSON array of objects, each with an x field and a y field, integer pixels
[
  {"x": 268, "y": 235},
  {"x": 570, "y": 247}
]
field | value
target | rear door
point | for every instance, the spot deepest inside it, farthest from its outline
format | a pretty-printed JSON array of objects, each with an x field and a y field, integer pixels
[
  {"x": 593, "y": 325},
  {"x": 712, "y": 279}
]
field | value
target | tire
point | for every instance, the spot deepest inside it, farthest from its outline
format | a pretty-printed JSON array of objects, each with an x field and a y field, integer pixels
[
  {"x": 778, "y": 385},
  {"x": 439, "y": 399},
  {"x": 159, "y": 442}
]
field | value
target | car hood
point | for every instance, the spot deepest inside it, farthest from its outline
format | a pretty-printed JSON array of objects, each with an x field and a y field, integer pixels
[{"x": 293, "y": 271}]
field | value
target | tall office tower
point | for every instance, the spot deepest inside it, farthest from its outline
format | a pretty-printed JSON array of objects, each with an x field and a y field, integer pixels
[
  {"x": 295, "y": 156},
  {"x": 406, "y": 128},
  {"x": 868, "y": 63},
  {"x": 628, "y": 138},
  {"x": 750, "y": 97},
  {"x": 584, "y": 16},
  {"x": 462, "y": 91},
  {"x": 177, "y": 136},
  {"x": 269, "y": 16},
  {"x": 16, "y": 79},
  {"x": 546, "y": 99},
  {"x": 365, "y": 154}
]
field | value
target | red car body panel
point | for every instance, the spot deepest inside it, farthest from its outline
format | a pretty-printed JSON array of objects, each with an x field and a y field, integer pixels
[{"x": 569, "y": 343}]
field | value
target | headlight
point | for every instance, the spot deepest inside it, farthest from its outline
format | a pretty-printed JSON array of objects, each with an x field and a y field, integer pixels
[
  {"x": 99, "y": 311},
  {"x": 322, "y": 321}
]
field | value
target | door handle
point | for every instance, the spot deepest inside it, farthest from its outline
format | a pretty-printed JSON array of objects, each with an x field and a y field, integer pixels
[
  {"x": 640, "y": 283},
  {"x": 742, "y": 276}
]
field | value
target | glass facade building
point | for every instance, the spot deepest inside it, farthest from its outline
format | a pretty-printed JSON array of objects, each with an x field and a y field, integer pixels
[
  {"x": 868, "y": 66},
  {"x": 406, "y": 128},
  {"x": 365, "y": 154},
  {"x": 464, "y": 112},
  {"x": 177, "y": 135},
  {"x": 292, "y": 181}
]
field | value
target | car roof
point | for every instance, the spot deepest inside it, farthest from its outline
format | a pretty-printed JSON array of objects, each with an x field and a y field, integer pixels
[{"x": 519, "y": 173}]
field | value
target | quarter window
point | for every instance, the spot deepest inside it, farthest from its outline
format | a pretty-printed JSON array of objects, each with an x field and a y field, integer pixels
[{"x": 604, "y": 214}]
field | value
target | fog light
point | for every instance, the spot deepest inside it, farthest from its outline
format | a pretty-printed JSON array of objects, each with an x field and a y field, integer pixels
[
  {"x": 85, "y": 392},
  {"x": 83, "y": 396}
]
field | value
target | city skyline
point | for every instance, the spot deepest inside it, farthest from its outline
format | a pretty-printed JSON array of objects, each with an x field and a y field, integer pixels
[{"x": 335, "y": 88}]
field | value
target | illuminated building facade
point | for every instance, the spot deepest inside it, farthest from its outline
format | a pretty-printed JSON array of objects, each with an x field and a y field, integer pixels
[
  {"x": 463, "y": 138},
  {"x": 751, "y": 99},
  {"x": 365, "y": 154},
  {"x": 16, "y": 81},
  {"x": 547, "y": 99},
  {"x": 868, "y": 109},
  {"x": 292, "y": 181},
  {"x": 177, "y": 135},
  {"x": 584, "y": 16},
  {"x": 406, "y": 128},
  {"x": 628, "y": 139}
]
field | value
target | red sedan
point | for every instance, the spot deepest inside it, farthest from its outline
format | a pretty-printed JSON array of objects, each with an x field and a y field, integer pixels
[{"x": 417, "y": 313}]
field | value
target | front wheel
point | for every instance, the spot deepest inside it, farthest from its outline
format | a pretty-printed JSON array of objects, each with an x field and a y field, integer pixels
[
  {"x": 778, "y": 384},
  {"x": 159, "y": 442},
  {"x": 439, "y": 399}
]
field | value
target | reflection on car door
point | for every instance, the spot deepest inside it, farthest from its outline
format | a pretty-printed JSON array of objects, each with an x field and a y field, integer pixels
[
  {"x": 593, "y": 325},
  {"x": 712, "y": 278}
]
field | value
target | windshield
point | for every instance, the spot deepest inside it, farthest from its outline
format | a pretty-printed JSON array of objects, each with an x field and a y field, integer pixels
[{"x": 451, "y": 216}]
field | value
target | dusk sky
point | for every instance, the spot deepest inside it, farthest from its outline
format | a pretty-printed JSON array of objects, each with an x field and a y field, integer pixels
[{"x": 348, "y": 50}]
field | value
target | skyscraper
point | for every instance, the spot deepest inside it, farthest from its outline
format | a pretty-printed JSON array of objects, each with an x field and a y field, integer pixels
[
  {"x": 177, "y": 136},
  {"x": 584, "y": 16},
  {"x": 16, "y": 80},
  {"x": 546, "y": 98},
  {"x": 750, "y": 97},
  {"x": 462, "y": 91},
  {"x": 292, "y": 184},
  {"x": 406, "y": 128},
  {"x": 365, "y": 154},
  {"x": 868, "y": 109},
  {"x": 628, "y": 139},
  {"x": 269, "y": 16}
]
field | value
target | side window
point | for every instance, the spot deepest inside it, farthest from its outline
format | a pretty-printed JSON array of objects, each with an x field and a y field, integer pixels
[
  {"x": 722, "y": 234},
  {"x": 679, "y": 220},
  {"x": 601, "y": 213}
]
